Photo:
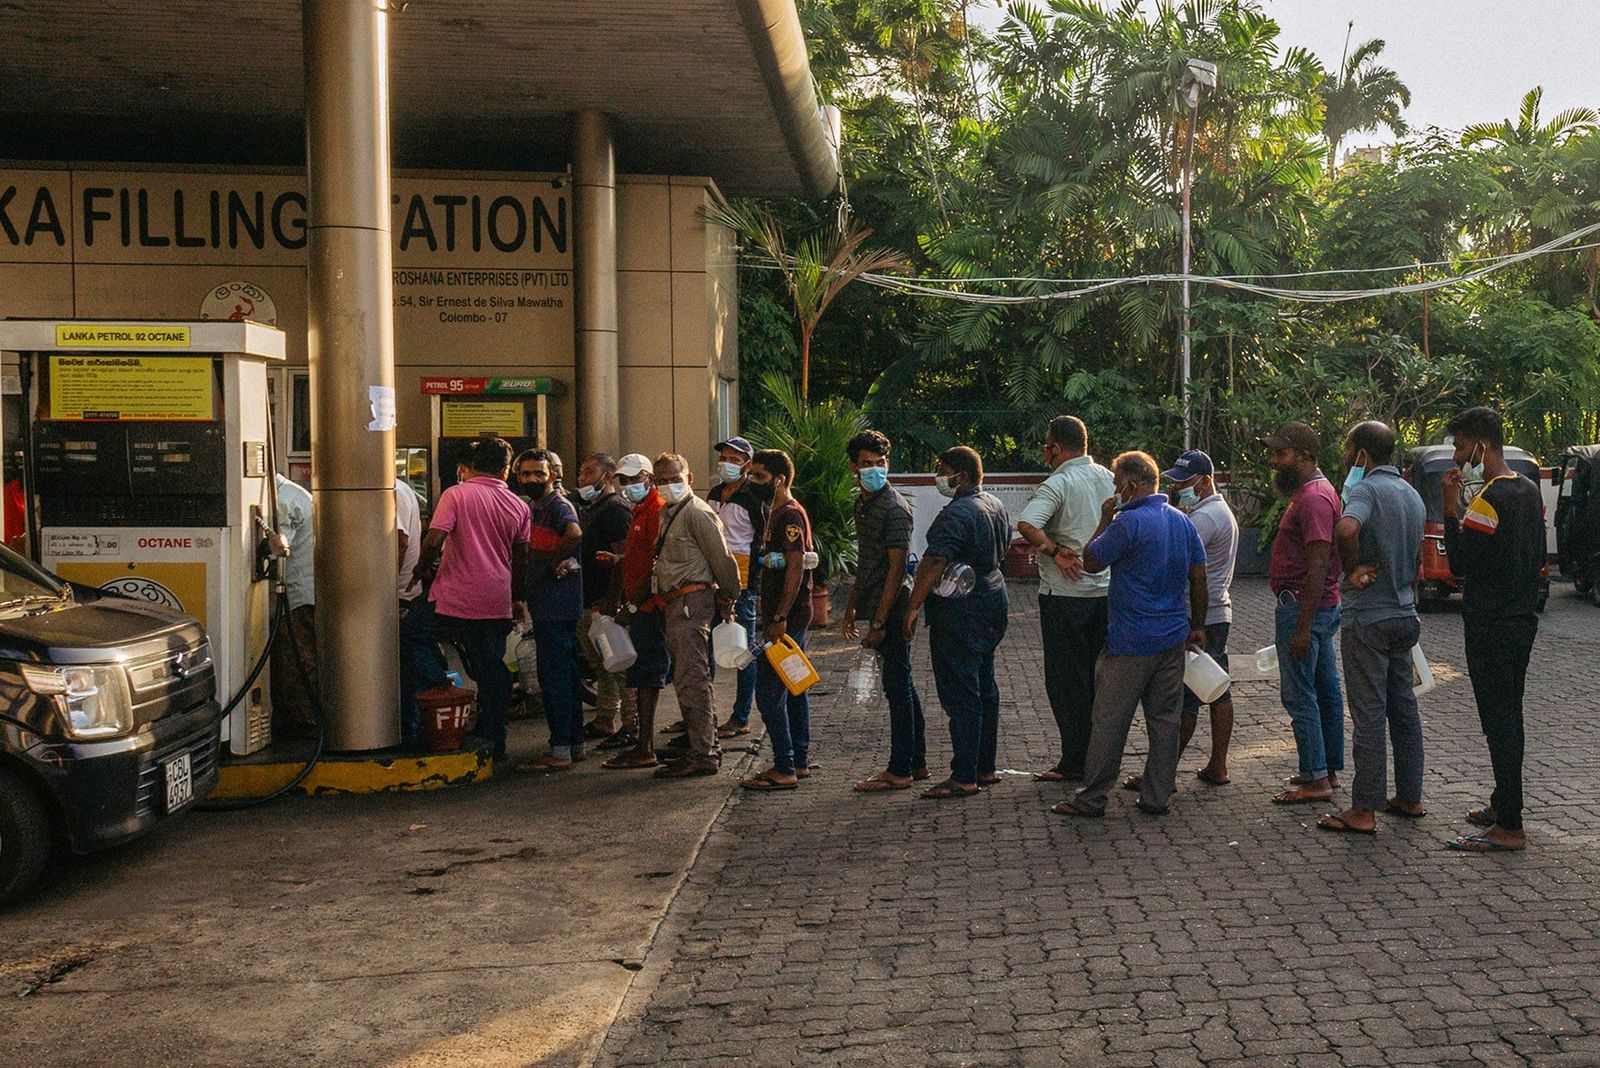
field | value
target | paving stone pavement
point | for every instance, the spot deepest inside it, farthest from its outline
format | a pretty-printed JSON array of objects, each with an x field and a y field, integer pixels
[{"x": 826, "y": 927}]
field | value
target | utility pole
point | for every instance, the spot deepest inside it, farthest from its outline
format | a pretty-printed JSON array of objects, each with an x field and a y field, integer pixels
[{"x": 1198, "y": 73}]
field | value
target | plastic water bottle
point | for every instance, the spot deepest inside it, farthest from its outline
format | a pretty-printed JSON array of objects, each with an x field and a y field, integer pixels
[
  {"x": 866, "y": 676},
  {"x": 777, "y": 561},
  {"x": 527, "y": 662},
  {"x": 958, "y": 580}
]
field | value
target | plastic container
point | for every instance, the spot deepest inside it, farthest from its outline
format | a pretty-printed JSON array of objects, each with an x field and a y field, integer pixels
[
  {"x": 958, "y": 580},
  {"x": 789, "y": 661},
  {"x": 730, "y": 646},
  {"x": 527, "y": 662},
  {"x": 777, "y": 561},
  {"x": 1267, "y": 660},
  {"x": 510, "y": 658},
  {"x": 866, "y": 676},
  {"x": 446, "y": 711},
  {"x": 1204, "y": 676},
  {"x": 615, "y": 646},
  {"x": 1421, "y": 674}
]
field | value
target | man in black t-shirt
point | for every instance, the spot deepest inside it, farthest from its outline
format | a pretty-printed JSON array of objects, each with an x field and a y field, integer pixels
[
  {"x": 606, "y": 517},
  {"x": 1496, "y": 545},
  {"x": 784, "y": 609}
]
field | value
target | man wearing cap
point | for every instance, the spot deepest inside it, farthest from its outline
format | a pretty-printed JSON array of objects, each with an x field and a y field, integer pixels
[
  {"x": 743, "y": 518},
  {"x": 606, "y": 518},
  {"x": 1058, "y": 521},
  {"x": 635, "y": 605},
  {"x": 1306, "y": 584}
]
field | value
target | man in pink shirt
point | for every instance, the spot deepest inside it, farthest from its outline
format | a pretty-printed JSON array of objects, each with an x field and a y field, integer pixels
[
  {"x": 475, "y": 562},
  {"x": 1306, "y": 586}
]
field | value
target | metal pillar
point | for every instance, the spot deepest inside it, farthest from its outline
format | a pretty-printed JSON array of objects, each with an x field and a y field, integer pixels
[
  {"x": 594, "y": 180},
  {"x": 1187, "y": 324},
  {"x": 351, "y": 344}
]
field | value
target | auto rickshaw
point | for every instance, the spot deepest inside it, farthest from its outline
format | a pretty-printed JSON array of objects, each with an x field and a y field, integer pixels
[
  {"x": 1425, "y": 468},
  {"x": 1578, "y": 518}
]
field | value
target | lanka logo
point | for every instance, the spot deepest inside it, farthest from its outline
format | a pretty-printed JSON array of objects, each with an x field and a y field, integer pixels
[
  {"x": 237, "y": 301},
  {"x": 143, "y": 589}
]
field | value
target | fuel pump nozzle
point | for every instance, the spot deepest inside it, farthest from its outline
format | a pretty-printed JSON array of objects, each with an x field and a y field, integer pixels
[{"x": 272, "y": 549}]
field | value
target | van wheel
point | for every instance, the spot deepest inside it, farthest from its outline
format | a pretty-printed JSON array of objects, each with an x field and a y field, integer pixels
[{"x": 24, "y": 837}]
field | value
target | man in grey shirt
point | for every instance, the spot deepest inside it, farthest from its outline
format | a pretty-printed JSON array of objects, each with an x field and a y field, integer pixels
[{"x": 1379, "y": 539}]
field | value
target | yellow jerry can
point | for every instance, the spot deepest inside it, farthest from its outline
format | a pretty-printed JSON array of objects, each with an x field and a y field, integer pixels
[{"x": 789, "y": 661}]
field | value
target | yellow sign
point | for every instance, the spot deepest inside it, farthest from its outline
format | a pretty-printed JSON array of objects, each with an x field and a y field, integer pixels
[
  {"x": 178, "y": 586},
  {"x": 121, "y": 336},
  {"x": 469, "y": 419},
  {"x": 120, "y": 388}
]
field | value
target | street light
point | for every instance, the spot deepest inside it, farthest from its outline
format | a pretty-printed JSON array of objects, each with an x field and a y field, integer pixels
[{"x": 1196, "y": 73}]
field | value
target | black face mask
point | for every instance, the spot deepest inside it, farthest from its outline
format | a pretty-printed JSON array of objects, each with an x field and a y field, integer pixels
[
  {"x": 763, "y": 490},
  {"x": 533, "y": 490}
]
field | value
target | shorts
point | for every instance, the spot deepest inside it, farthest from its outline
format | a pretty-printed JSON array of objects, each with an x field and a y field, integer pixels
[
  {"x": 653, "y": 669},
  {"x": 1217, "y": 646}
]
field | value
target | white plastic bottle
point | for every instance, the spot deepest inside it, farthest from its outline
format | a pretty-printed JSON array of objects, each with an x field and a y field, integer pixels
[{"x": 866, "y": 676}]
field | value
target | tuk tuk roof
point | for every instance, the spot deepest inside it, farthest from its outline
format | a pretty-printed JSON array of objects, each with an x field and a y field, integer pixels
[
  {"x": 1589, "y": 454},
  {"x": 1436, "y": 459}
]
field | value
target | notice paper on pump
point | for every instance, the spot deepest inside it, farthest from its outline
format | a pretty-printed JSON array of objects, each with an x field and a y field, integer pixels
[{"x": 117, "y": 388}]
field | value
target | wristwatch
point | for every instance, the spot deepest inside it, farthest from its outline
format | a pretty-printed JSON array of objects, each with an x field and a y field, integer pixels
[
  {"x": 780, "y": 619},
  {"x": 877, "y": 624}
]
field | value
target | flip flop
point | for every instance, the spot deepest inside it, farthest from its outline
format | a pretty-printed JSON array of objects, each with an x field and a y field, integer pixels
[
  {"x": 805, "y": 772},
  {"x": 675, "y": 728},
  {"x": 877, "y": 784},
  {"x": 764, "y": 783},
  {"x": 732, "y": 730},
  {"x": 1335, "y": 822},
  {"x": 1295, "y": 797},
  {"x": 1049, "y": 776},
  {"x": 686, "y": 769},
  {"x": 594, "y": 734},
  {"x": 542, "y": 766},
  {"x": 1481, "y": 817},
  {"x": 1395, "y": 810},
  {"x": 629, "y": 763},
  {"x": 948, "y": 789},
  {"x": 1070, "y": 807},
  {"x": 1211, "y": 780},
  {"x": 1477, "y": 843},
  {"x": 989, "y": 780},
  {"x": 1133, "y": 782},
  {"x": 919, "y": 774},
  {"x": 619, "y": 740}
]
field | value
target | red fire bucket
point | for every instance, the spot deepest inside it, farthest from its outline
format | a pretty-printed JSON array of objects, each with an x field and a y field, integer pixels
[{"x": 445, "y": 712}]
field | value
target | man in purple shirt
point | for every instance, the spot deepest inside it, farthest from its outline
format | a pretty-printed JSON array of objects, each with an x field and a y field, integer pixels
[
  {"x": 475, "y": 563},
  {"x": 1306, "y": 585}
]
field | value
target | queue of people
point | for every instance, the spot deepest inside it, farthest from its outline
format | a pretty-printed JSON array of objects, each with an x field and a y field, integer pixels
[{"x": 1133, "y": 581}]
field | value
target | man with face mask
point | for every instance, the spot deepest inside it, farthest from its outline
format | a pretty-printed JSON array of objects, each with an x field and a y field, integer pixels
[
  {"x": 1306, "y": 584},
  {"x": 606, "y": 518},
  {"x": 1058, "y": 521},
  {"x": 635, "y": 604},
  {"x": 1496, "y": 545},
  {"x": 1380, "y": 546},
  {"x": 743, "y": 517},
  {"x": 555, "y": 603},
  {"x": 697, "y": 581}
]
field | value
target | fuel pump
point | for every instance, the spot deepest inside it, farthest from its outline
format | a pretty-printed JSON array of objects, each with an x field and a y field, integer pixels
[
  {"x": 148, "y": 453},
  {"x": 465, "y": 409}
]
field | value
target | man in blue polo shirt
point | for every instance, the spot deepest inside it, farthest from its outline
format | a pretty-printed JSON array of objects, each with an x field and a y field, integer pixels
[{"x": 1156, "y": 607}]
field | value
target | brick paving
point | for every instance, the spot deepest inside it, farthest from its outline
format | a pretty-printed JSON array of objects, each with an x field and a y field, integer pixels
[{"x": 826, "y": 927}]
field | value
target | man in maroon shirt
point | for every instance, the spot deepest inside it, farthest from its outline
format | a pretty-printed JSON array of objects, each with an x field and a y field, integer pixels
[{"x": 1306, "y": 586}]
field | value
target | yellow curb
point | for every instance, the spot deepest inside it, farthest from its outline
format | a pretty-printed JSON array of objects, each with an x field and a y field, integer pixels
[{"x": 346, "y": 775}]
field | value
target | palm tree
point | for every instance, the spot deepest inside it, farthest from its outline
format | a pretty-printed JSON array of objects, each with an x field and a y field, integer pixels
[
  {"x": 1362, "y": 98},
  {"x": 816, "y": 269},
  {"x": 1528, "y": 132}
]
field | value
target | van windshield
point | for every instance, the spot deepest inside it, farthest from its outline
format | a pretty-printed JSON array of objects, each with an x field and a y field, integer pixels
[{"x": 21, "y": 578}]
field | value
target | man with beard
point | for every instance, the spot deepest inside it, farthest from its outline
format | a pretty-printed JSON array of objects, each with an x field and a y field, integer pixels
[{"x": 1306, "y": 586}]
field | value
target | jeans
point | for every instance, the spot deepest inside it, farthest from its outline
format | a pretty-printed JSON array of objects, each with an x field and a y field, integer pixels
[
  {"x": 787, "y": 716},
  {"x": 908, "y": 731},
  {"x": 1122, "y": 684},
  {"x": 558, "y": 686},
  {"x": 1377, "y": 676},
  {"x": 1497, "y": 659},
  {"x": 1310, "y": 689},
  {"x": 963, "y": 675},
  {"x": 744, "y": 613},
  {"x": 1074, "y": 633},
  {"x": 422, "y": 667}
]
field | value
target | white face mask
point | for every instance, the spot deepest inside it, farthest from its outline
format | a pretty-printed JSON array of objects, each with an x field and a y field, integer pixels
[
  {"x": 673, "y": 492},
  {"x": 945, "y": 486}
]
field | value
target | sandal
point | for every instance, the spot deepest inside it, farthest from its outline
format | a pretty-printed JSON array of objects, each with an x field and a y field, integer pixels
[
  {"x": 989, "y": 779},
  {"x": 545, "y": 765},
  {"x": 1070, "y": 807},
  {"x": 805, "y": 772},
  {"x": 1300, "y": 797},
  {"x": 950, "y": 788},
  {"x": 623, "y": 739},
  {"x": 1394, "y": 809},
  {"x": 732, "y": 729},
  {"x": 1335, "y": 822},
  {"x": 676, "y": 728},
  {"x": 1477, "y": 843},
  {"x": 625, "y": 762},
  {"x": 593, "y": 733},
  {"x": 688, "y": 768},
  {"x": 1296, "y": 780},
  {"x": 1206, "y": 777},
  {"x": 919, "y": 774},
  {"x": 1482, "y": 817},
  {"x": 765, "y": 783},
  {"x": 1052, "y": 775},
  {"x": 880, "y": 783},
  {"x": 1133, "y": 783}
]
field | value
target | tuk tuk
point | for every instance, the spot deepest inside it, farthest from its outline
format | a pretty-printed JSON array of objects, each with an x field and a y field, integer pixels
[
  {"x": 1425, "y": 469},
  {"x": 1578, "y": 518}
]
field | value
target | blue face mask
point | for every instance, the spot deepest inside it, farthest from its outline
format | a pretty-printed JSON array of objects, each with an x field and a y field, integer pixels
[
  {"x": 730, "y": 472},
  {"x": 637, "y": 492},
  {"x": 873, "y": 479},
  {"x": 1187, "y": 498},
  {"x": 588, "y": 493},
  {"x": 1352, "y": 480}
]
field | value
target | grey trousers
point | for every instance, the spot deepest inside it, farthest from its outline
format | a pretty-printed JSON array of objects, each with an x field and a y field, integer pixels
[
  {"x": 689, "y": 619},
  {"x": 1121, "y": 684},
  {"x": 1377, "y": 682}
]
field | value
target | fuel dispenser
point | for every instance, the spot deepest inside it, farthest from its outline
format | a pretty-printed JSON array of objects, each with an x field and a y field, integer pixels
[
  {"x": 148, "y": 454},
  {"x": 465, "y": 409}
]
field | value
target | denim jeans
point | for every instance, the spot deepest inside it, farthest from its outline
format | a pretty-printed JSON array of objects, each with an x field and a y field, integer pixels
[
  {"x": 1377, "y": 673},
  {"x": 1311, "y": 691},
  {"x": 787, "y": 716},
  {"x": 744, "y": 613},
  {"x": 558, "y": 686},
  {"x": 908, "y": 732},
  {"x": 964, "y": 678},
  {"x": 422, "y": 667}
]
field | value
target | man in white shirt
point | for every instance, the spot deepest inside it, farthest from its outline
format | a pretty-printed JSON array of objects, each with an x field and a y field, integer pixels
[
  {"x": 1058, "y": 522},
  {"x": 408, "y": 525},
  {"x": 292, "y": 715}
]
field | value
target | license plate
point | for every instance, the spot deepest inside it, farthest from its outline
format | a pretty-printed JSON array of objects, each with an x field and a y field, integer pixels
[{"x": 180, "y": 782}]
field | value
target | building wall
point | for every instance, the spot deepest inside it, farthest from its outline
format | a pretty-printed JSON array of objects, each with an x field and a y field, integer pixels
[{"x": 467, "y": 301}]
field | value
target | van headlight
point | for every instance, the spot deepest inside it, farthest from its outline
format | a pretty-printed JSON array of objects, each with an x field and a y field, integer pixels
[{"x": 93, "y": 698}]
